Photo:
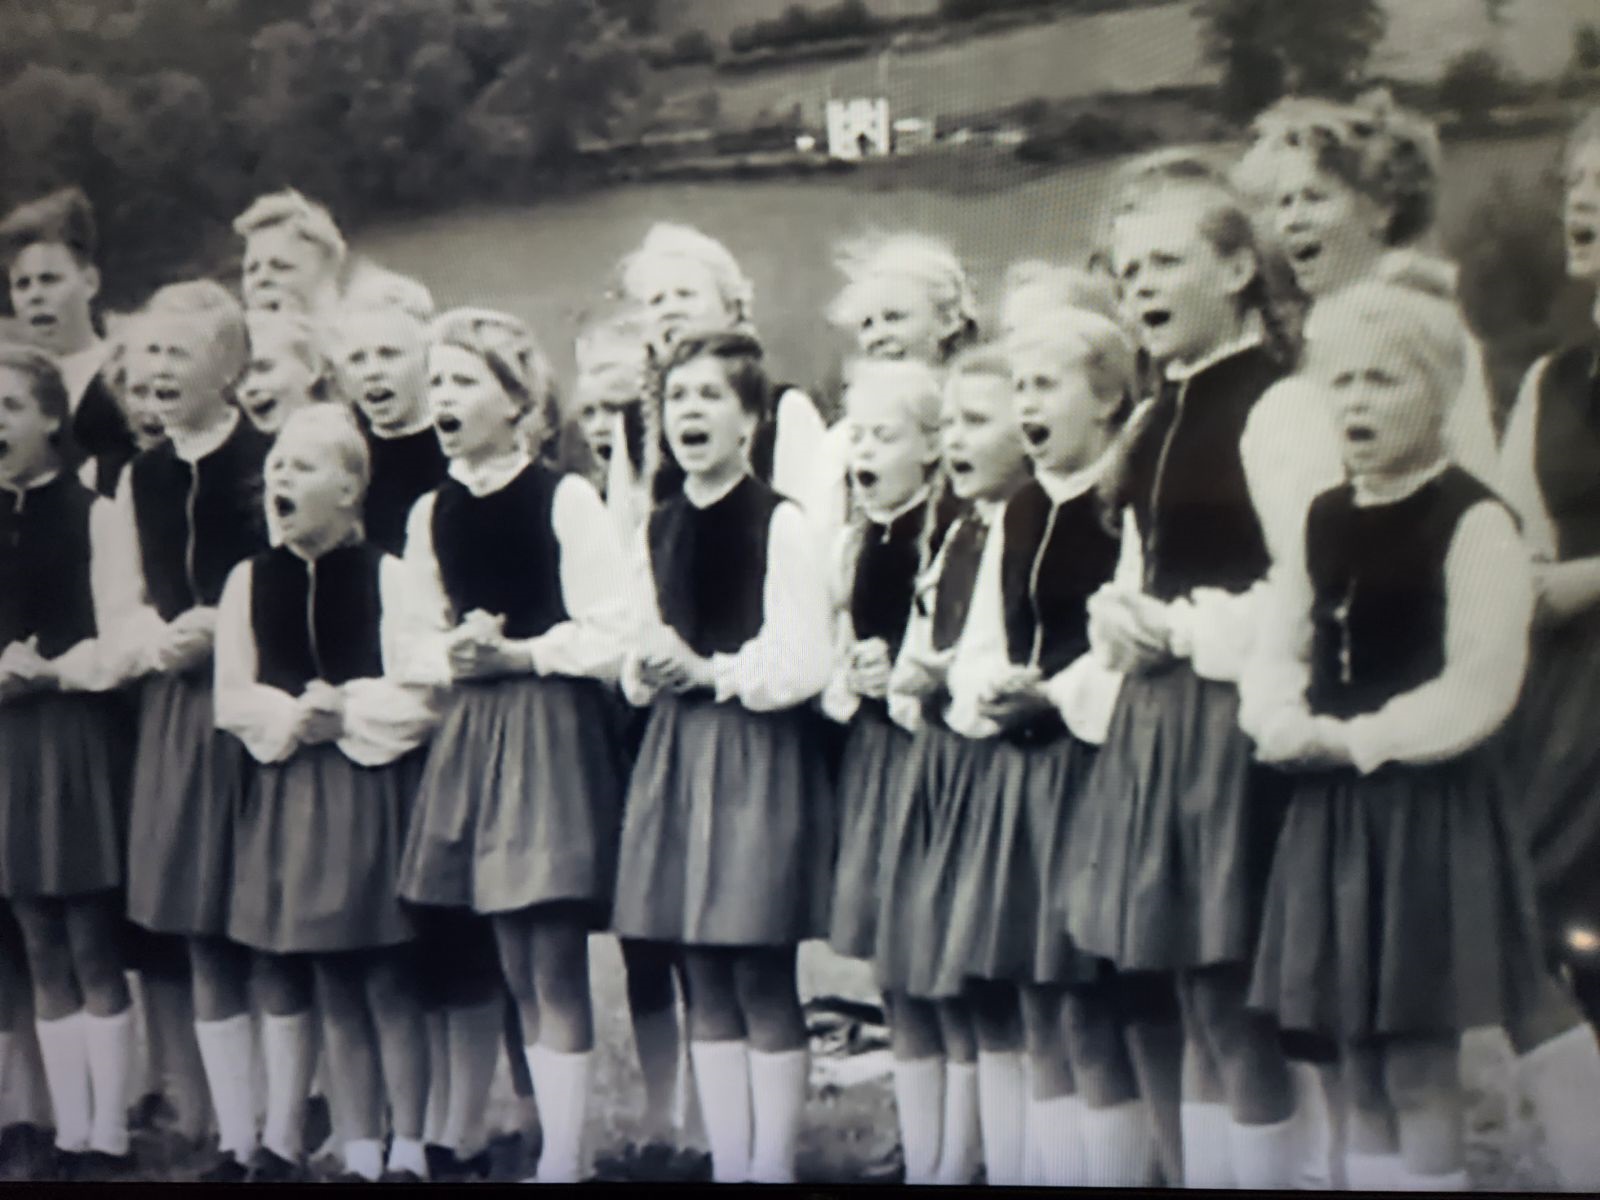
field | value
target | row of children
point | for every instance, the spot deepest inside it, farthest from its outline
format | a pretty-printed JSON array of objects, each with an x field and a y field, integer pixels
[{"x": 1192, "y": 838}]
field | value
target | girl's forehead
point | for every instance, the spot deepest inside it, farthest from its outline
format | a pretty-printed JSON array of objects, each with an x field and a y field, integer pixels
[
  {"x": 986, "y": 392},
  {"x": 884, "y": 290},
  {"x": 392, "y": 327},
  {"x": 15, "y": 383},
  {"x": 653, "y": 271},
  {"x": 706, "y": 367},
  {"x": 447, "y": 354},
  {"x": 1172, "y": 224},
  {"x": 1585, "y": 155},
  {"x": 879, "y": 404},
  {"x": 280, "y": 241}
]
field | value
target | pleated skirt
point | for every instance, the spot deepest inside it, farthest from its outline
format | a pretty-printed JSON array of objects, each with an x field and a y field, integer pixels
[
  {"x": 317, "y": 854},
  {"x": 188, "y": 783},
  {"x": 520, "y": 800},
  {"x": 728, "y": 838},
  {"x": 66, "y": 760},
  {"x": 1169, "y": 851},
  {"x": 870, "y": 772},
  {"x": 1552, "y": 762},
  {"x": 1400, "y": 903}
]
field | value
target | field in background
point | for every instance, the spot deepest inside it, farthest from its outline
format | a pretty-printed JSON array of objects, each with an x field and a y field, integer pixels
[
  {"x": 546, "y": 264},
  {"x": 1133, "y": 50}
]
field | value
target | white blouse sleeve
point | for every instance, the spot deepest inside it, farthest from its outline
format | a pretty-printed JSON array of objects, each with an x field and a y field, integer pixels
[
  {"x": 427, "y": 618},
  {"x": 386, "y": 718},
  {"x": 1290, "y": 452},
  {"x": 1278, "y": 669},
  {"x": 799, "y": 447},
  {"x": 594, "y": 587},
  {"x": 839, "y": 703},
  {"x": 109, "y": 659},
  {"x": 634, "y": 689},
  {"x": 1488, "y": 607},
  {"x": 138, "y": 630},
  {"x": 1519, "y": 472},
  {"x": 788, "y": 661},
  {"x": 261, "y": 717}
]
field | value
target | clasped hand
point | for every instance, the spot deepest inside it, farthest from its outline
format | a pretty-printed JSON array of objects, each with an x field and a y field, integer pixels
[
  {"x": 1012, "y": 695},
  {"x": 319, "y": 715},
  {"x": 479, "y": 650},
  {"x": 668, "y": 664},
  {"x": 188, "y": 640},
  {"x": 1293, "y": 737},
  {"x": 1132, "y": 627},
  {"x": 23, "y": 669},
  {"x": 869, "y": 669}
]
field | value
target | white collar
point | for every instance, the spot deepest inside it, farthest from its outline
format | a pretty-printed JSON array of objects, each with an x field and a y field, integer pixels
[
  {"x": 424, "y": 421},
  {"x": 988, "y": 511},
  {"x": 192, "y": 446},
  {"x": 1390, "y": 489},
  {"x": 492, "y": 474},
  {"x": 33, "y": 484},
  {"x": 350, "y": 538},
  {"x": 889, "y": 518},
  {"x": 707, "y": 499},
  {"x": 1253, "y": 334},
  {"x": 1062, "y": 488}
]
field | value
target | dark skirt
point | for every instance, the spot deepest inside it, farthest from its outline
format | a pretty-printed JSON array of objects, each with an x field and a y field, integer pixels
[
  {"x": 870, "y": 771},
  {"x": 521, "y": 798},
  {"x": 65, "y": 762},
  {"x": 1400, "y": 903},
  {"x": 929, "y": 916},
  {"x": 728, "y": 838},
  {"x": 188, "y": 783},
  {"x": 1170, "y": 849},
  {"x": 317, "y": 854},
  {"x": 1552, "y": 761}
]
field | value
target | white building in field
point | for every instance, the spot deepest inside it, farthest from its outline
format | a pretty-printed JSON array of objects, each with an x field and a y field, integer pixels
[{"x": 859, "y": 128}]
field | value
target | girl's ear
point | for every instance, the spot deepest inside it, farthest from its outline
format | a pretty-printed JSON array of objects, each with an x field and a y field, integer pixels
[
  {"x": 91, "y": 277},
  {"x": 1239, "y": 269}
]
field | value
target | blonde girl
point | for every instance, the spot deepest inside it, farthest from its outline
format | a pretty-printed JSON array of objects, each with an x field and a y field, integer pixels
[{"x": 286, "y": 371}]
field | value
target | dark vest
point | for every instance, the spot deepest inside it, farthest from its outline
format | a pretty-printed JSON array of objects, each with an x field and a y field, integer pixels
[
  {"x": 499, "y": 552},
  {"x": 884, "y": 578},
  {"x": 196, "y": 523},
  {"x": 100, "y": 432},
  {"x": 951, "y": 600},
  {"x": 710, "y": 566},
  {"x": 317, "y": 621},
  {"x": 1567, "y": 450},
  {"x": 1379, "y": 591},
  {"x": 1187, "y": 485},
  {"x": 404, "y": 469},
  {"x": 44, "y": 566}
]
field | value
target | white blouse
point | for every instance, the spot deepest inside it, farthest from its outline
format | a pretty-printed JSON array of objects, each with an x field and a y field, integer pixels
[
  {"x": 789, "y": 661},
  {"x": 384, "y": 718},
  {"x": 113, "y": 656},
  {"x": 1489, "y": 605},
  {"x": 596, "y": 588}
]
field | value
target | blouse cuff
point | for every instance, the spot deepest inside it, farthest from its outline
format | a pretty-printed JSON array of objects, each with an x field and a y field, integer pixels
[
  {"x": 1214, "y": 630},
  {"x": 839, "y": 703},
  {"x": 1369, "y": 748},
  {"x": 384, "y": 720},
  {"x": 1085, "y": 694},
  {"x": 905, "y": 711},
  {"x": 268, "y": 730},
  {"x": 634, "y": 689}
]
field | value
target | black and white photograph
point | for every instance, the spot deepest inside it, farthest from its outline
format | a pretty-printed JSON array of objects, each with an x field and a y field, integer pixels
[{"x": 969, "y": 593}]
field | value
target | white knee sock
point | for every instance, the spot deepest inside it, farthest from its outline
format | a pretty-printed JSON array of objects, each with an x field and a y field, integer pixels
[
  {"x": 109, "y": 1041},
  {"x": 1207, "y": 1154},
  {"x": 959, "y": 1139},
  {"x": 364, "y": 1157},
  {"x": 1374, "y": 1172},
  {"x": 1117, "y": 1145},
  {"x": 561, "y": 1089},
  {"x": 408, "y": 1154},
  {"x": 1316, "y": 1128},
  {"x": 722, "y": 1080},
  {"x": 1267, "y": 1157},
  {"x": 655, "y": 1039},
  {"x": 287, "y": 1047},
  {"x": 1056, "y": 1141},
  {"x": 64, "y": 1047},
  {"x": 919, "y": 1104},
  {"x": 777, "y": 1106},
  {"x": 1562, "y": 1079},
  {"x": 227, "y": 1052},
  {"x": 1002, "y": 1115}
]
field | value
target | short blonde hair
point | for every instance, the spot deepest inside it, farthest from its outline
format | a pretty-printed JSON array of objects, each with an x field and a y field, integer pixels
[
  {"x": 1427, "y": 329},
  {"x": 214, "y": 311},
  {"x": 303, "y": 217},
  {"x": 1087, "y": 341},
  {"x": 373, "y": 287},
  {"x": 914, "y": 385},
  {"x": 513, "y": 355},
  {"x": 1058, "y": 285},
  {"x": 668, "y": 240},
  {"x": 926, "y": 261},
  {"x": 334, "y": 427},
  {"x": 291, "y": 331},
  {"x": 613, "y": 343}
]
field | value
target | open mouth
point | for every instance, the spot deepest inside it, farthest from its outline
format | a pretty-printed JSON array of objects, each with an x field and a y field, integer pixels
[
  {"x": 1156, "y": 318},
  {"x": 284, "y": 506},
  {"x": 262, "y": 410},
  {"x": 167, "y": 395},
  {"x": 152, "y": 429},
  {"x": 1361, "y": 435},
  {"x": 5, "y": 447},
  {"x": 1309, "y": 252},
  {"x": 42, "y": 320},
  {"x": 960, "y": 466},
  {"x": 1036, "y": 432},
  {"x": 866, "y": 479},
  {"x": 694, "y": 437},
  {"x": 604, "y": 451},
  {"x": 379, "y": 396},
  {"x": 448, "y": 424},
  {"x": 1583, "y": 236}
]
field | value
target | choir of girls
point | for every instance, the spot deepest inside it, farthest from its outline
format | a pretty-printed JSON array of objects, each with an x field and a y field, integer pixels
[{"x": 1174, "y": 697}]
